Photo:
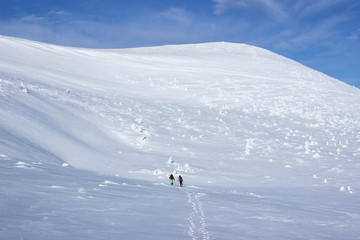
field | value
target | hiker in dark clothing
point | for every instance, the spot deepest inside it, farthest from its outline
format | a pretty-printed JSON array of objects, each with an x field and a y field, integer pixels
[{"x": 180, "y": 179}]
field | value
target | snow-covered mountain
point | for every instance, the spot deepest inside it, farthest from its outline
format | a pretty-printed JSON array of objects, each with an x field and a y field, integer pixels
[{"x": 268, "y": 148}]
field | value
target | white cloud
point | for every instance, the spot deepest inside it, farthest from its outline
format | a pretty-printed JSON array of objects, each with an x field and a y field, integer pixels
[
  {"x": 60, "y": 12},
  {"x": 325, "y": 35},
  {"x": 177, "y": 14},
  {"x": 355, "y": 35},
  {"x": 314, "y": 7},
  {"x": 273, "y": 7},
  {"x": 32, "y": 18},
  {"x": 270, "y": 7},
  {"x": 224, "y": 6},
  {"x": 48, "y": 16}
]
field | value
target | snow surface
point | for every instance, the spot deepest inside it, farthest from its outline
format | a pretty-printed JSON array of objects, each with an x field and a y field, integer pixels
[{"x": 268, "y": 148}]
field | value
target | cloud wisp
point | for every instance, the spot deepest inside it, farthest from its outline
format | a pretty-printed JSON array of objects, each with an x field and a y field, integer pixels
[
  {"x": 177, "y": 14},
  {"x": 269, "y": 7}
]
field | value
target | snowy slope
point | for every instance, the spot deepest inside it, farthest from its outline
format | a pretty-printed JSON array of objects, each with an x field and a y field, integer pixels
[{"x": 268, "y": 148}]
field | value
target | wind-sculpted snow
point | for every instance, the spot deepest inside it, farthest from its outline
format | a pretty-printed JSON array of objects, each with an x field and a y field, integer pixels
[{"x": 268, "y": 148}]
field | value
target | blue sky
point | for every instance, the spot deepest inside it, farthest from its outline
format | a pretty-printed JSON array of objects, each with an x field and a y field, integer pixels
[{"x": 322, "y": 34}]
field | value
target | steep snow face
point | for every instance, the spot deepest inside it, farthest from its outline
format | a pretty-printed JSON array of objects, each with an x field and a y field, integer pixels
[{"x": 230, "y": 118}]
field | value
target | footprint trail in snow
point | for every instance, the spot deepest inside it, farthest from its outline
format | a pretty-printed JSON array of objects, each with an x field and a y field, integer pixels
[{"x": 197, "y": 220}]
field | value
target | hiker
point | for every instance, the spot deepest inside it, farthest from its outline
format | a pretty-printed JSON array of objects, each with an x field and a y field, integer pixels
[
  {"x": 172, "y": 179},
  {"x": 180, "y": 179}
]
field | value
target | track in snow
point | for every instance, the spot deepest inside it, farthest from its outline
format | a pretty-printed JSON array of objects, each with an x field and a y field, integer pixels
[{"x": 197, "y": 220}]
